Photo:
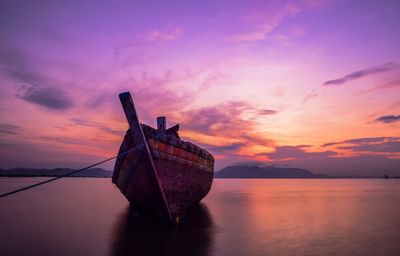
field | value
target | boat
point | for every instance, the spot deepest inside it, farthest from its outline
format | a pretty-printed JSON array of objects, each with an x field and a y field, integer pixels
[{"x": 158, "y": 172}]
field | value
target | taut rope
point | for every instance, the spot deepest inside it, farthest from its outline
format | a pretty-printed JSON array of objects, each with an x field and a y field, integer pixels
[{"x": 73, "y": 172}]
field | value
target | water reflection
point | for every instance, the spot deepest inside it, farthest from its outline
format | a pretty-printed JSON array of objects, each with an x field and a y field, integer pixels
[
  {"x": 83, "y": 216},
  {"x": 137, "y": 235}
]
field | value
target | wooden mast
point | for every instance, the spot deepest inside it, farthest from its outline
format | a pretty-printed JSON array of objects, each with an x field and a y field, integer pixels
[{"x": 140, "y": 139}]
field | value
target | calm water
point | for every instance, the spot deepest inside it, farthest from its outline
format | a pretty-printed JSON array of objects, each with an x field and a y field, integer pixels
[{"x": 83, "y": 216}]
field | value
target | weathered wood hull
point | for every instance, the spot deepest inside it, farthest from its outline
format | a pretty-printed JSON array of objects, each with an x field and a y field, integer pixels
[{"x": 185, "y": 172}]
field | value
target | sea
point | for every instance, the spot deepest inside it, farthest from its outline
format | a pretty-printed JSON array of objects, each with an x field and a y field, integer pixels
[{"x": 89, "y": 216}]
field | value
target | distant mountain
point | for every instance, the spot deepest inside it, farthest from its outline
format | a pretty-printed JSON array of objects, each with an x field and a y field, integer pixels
[
  {"x": 30, "y": 172},
  {"x": 257, "y": 172}
]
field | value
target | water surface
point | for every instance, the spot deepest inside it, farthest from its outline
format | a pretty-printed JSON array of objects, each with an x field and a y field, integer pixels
[{"x": 88, "y": 216}]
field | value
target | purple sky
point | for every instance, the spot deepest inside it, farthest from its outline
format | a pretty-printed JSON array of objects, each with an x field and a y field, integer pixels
[{"x": 311, "y": 84}]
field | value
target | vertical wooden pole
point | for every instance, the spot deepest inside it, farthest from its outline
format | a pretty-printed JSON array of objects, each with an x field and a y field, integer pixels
[
  {"x": 161, "y": 123},
  {"x": 139, "y": 138}
]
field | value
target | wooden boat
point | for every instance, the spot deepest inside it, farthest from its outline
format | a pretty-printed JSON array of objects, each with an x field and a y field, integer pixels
[{"x": 157, "y": 171}]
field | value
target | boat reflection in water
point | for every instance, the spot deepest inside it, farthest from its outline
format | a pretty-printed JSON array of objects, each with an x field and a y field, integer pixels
[{"x": 140, "y": 235}]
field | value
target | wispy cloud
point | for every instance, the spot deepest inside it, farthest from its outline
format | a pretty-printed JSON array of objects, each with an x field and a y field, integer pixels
[
  {"x": 362, "y": 141},
  {"x": 102, "y": 127},
  {"x": 9, "y": 128},
  {"x": 388, "y": 145},
  {"x": 19, "y": 66},
  {"x": 383, "y": 147},
  {"x": 311, "y": 95},
  {"x": 264, "y": 112},
  {"x": 268, "y": 24},
  {"x": 163, "y": 35},
  {"x": 391, "y": 84},
  {"x": 33, "y": 86},
  {"x": 225, "y": 148},
  {"x": 287, "y": 37},
  {"x": 72, "y": 141},
  {"x": 363, "y": 73},
  {"x": 387, "y": 85},
  {"x": 387, "y": 119},
  {"x": 295, "y": 152}
]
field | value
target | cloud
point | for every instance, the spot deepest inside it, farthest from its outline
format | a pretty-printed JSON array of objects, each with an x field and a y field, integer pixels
[
  {"x": 100, "y": 126},
  {"x": 394, "y": 105},
  {"x": 18, "y": 66},
  {"x": 160, "y": 35},
  {"x": 373, "y": 156},
  {"x": 227, "y": 129},
  {"x": 363, "y": 73},
  {"x": 267, "y": 19},
  {"x": 361, "y": 141},
  {"x": 72, "y": 141},
  {"x": 213, "y": 79},
  {"x": 9, "y": 128},
  {"x": 311, "y": 95},
  {"x": 391, "y": 84},
  {"x": 369, "y": 145},
  {"x": 384, "y": 147},
  {"x": 387, "y": 85},
  {"x": 157, "y": 96},
  {"x": 362, "y": 165},
  {"x": 48, "y": 97},
  {"x": 21, "y": 67},
  {"x": 263, "y": 112},
  {"x": 268, "y": 24},
  {"x": 285, "y": 38},
  {"x": 224, "y": 148},
  {"x": 33, "y": 86},
  {"x": 223, "y": 118},
  {"x": 161, "y": 94},
  {"x": 295, "y": 152},
  {"x": 387, "y": 119},
  {"x": 257, "y": 139}
]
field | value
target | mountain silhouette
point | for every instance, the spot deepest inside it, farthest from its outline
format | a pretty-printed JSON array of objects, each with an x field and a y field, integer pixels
[{"x": 257, "y": 172}]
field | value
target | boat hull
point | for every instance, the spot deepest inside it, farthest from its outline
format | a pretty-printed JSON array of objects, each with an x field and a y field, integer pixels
[{"x": 185, "y": 172}]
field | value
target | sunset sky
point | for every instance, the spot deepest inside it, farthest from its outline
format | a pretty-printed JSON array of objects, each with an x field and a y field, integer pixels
[{"x": 311, "y": 84}]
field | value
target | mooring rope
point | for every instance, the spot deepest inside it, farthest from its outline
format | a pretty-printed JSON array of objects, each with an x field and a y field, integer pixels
[{"x": 73, "y": 172}]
